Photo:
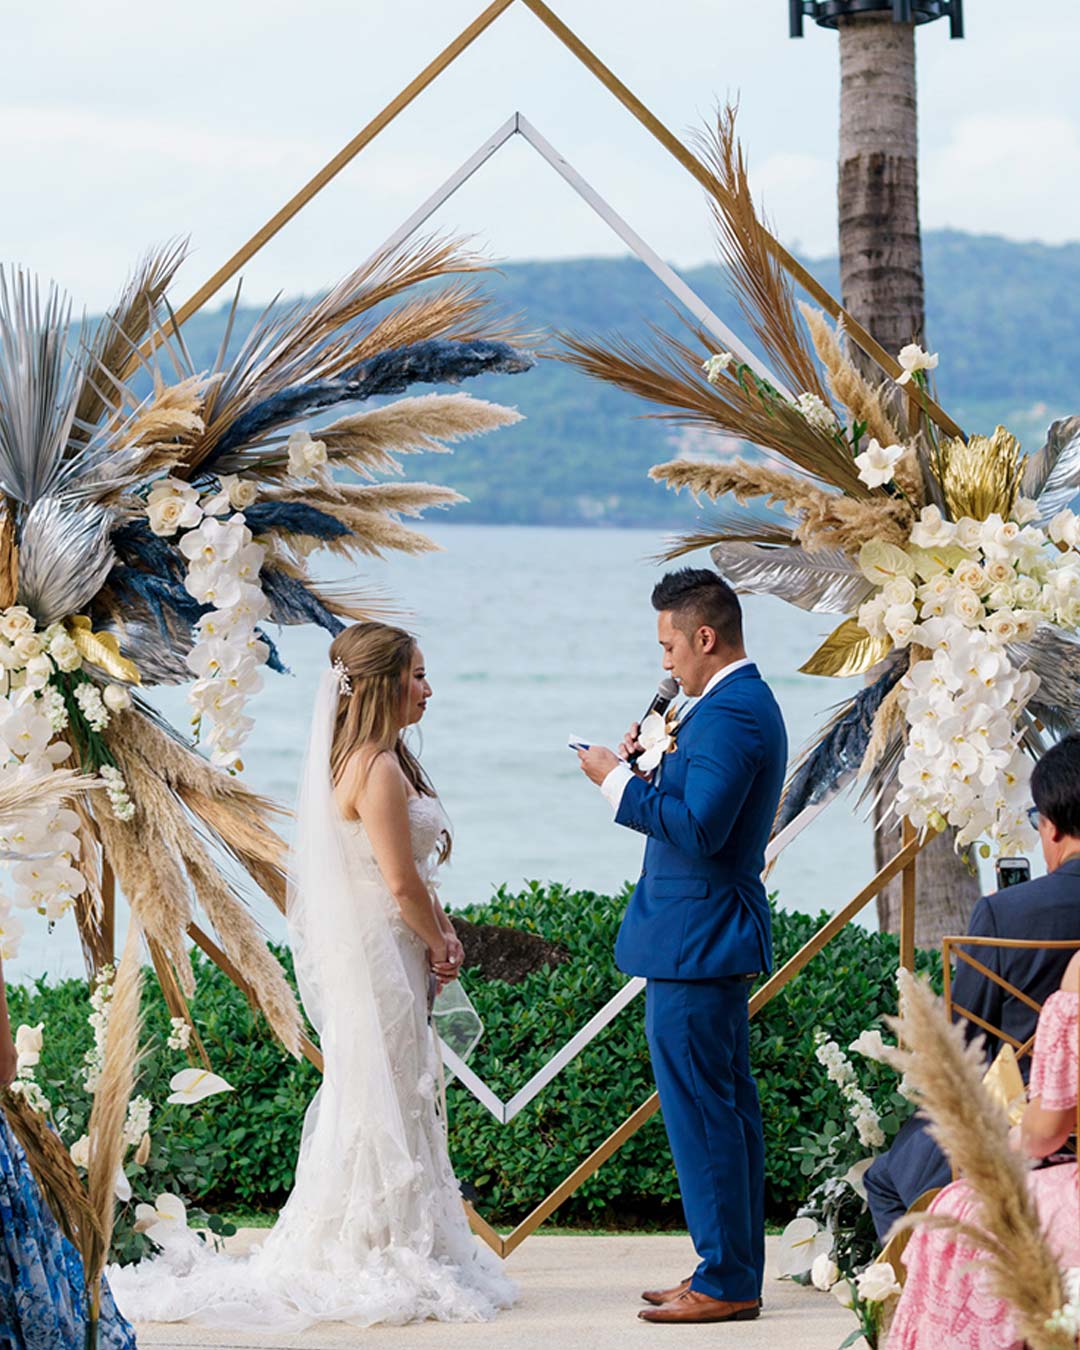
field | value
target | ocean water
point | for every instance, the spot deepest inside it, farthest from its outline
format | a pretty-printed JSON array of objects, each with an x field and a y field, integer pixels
[{"x": 530, "y": 634}]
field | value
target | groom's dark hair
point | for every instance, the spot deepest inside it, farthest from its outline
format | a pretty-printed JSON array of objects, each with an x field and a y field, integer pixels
[
  {"x": 697, "y": 597},
  {"x": 1055, "y": 785}
]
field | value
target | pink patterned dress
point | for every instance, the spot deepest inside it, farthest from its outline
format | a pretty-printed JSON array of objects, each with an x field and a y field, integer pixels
[{"x": 945, "y": 1304}]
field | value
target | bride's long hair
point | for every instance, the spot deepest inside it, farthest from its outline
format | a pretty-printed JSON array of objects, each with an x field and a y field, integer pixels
[{"x": 377, "y": 659}]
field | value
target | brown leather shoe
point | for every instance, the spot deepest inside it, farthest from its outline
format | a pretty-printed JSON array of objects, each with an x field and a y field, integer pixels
[
  {"x": 658, "y": 1296},
  {"x": 692, "y": 1306}
]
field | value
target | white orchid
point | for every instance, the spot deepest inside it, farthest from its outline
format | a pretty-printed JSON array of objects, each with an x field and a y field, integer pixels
[
  {"x": 877, "y": 463},
  {"x": 195, "y": 1085},
  {"x": 912, "y": 358},
  {"x": 657, "y": 740}
]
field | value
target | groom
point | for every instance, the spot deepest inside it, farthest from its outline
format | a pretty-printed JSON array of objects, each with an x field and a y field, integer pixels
[{"x": 697, "y": 927}]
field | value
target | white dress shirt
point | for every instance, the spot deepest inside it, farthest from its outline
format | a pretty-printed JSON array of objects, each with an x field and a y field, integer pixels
[{"x": 614, "y": 785}]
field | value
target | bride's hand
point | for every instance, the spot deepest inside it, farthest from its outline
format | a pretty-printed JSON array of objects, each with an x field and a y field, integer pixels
[{"x": 455, "y": 957}]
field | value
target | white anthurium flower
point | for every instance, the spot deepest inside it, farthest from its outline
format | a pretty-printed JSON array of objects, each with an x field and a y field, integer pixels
[
  {"x": 801, "y": 1243},
  {"x": 824, "y": 1273},
  {"x": 877, "y": 1283},
  {"x": 881, "y": 562},
  {"x": 195, "y": 1085},
  {"x": 28, "y": 1042},
  {"x": 121, "y": 1186},
  {"x": 657, "y": 740},
  {"x": 912, "y": 358},
  {"x": 877, "y": 463},
  {"x": 165, "y": 1219},
  {"x": 932, "y": 530}
]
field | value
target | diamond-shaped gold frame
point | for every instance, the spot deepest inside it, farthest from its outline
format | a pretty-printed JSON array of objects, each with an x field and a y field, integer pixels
[{"x": 904, "y": 861}]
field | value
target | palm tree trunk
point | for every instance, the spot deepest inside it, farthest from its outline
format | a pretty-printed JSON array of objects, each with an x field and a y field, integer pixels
[{"x": 882, "y": 280}]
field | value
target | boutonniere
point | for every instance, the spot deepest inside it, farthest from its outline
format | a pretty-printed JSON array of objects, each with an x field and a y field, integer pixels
[{"x": 657, "y": 735}]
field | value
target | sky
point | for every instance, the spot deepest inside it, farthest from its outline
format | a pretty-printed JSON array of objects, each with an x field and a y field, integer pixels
[{"x": 125, "y": 124}]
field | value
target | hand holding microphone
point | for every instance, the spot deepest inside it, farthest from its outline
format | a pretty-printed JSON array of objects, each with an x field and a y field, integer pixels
[{"x": 666, "y": 690}]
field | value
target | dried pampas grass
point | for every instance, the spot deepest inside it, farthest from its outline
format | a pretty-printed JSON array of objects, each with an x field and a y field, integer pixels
[
  {"x": 825, "y": 519},
  {"x": 107, "y": 1116},
  {"x": 1018, "y": 1264}
]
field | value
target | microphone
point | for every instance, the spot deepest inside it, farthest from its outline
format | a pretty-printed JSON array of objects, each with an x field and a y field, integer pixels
[{"x": 666, "y": 690}]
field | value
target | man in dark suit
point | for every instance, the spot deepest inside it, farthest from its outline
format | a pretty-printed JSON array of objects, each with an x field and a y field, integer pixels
[
  {"x": 1044, "y": 910},
  {"x": 697, "y": 927}
]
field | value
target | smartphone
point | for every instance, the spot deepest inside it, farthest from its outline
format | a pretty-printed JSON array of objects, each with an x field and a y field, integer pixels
[
  {"x": 1012, "y": 871},
  {"x": 578, "y": 743}
]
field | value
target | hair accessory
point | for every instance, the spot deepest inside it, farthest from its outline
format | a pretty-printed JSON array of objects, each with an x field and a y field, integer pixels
[{"x": 344, "y": 683}]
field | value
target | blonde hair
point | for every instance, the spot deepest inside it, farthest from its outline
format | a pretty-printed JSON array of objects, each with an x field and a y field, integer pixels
[{"x": 376, "y": 659}]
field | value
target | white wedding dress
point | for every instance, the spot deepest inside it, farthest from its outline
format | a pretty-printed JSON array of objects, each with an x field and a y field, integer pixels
[{"x": 374, "y": 1230}]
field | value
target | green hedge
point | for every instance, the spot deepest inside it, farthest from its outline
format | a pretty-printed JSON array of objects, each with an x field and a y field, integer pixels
[{"x": 239, "y": 1149}]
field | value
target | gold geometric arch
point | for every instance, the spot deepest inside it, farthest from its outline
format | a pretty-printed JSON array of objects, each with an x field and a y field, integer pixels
[{"x": 904, "y": 861}]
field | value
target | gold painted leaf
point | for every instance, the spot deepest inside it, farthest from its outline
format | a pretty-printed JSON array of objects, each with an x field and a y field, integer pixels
[
  {"x": 102, "y": 650},
  {"x": 848, "y": 650}
]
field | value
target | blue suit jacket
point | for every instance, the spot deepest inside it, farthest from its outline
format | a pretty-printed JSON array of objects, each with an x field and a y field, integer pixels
[{"x": 700, "y": 911}]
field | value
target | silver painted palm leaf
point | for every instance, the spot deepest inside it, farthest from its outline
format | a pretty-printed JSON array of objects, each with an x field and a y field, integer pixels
[
  {"x": 826, "y": 580},
  {"x": 1052, "y": 477},
  {"x": 64, "y": 558},
  {"x": 1054, "y": 656}
]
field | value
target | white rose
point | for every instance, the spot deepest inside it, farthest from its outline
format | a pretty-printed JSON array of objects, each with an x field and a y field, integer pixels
[
  {"x": 900, "y": 623},
  {"x": 877, "y": 1282},
  {"x": 39, "y": 671},
  {"x": 16, "y": 622},
  {"x": 28, "y": 1043},
  {"x": 80, "y": 1152},
  {"x": 912, "y": 358},
  {"x": 968, "y": 532},
  {"x": 305, "y": 454},
  {"x": 1027, "y": 620},
  {"x": 966, "y": 606},
  {"x": 970, "y": 574},
  {"x": 28, "y": 646},
  {"x": 871, "y": 616},
  {"x": 999, "y": 571},
  {"x": 1001, "y": 597},
  {"x": 64, "y": 652},
  {"x": 877, "y": 463},
  {"x": 1002, "y": 625},
  {"x": 900, "y": 591},
  {"x": 1027, "y": 590},
  {"x": 824, "y": 1272},
  {"x": 173, "y": 487},
  {"x": 1025, "y": 510},
  {"x": 241, "y": 491},
  {"x": 171, "y": 513},
  {"x": 1062, "y": 530},
  {"x": 939, "y": 587},
  {"x": 117, "y": 697},
  {"x": 932, "y": 530}
]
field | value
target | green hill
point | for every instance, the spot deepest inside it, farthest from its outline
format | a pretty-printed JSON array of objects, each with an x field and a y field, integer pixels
[{"x": 999, "y": 313}]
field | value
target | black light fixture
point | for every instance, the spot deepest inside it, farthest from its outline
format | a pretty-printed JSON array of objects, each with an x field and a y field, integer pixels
[{"x": 828, "y": 13}]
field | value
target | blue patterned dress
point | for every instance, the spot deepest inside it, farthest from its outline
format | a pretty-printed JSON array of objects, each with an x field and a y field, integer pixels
[{"x": 42, "y": 1293}]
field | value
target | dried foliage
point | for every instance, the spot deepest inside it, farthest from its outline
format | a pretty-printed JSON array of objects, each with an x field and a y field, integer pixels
[
  {"x": 1018, "y": 1264},
  {"x": 825, "y": 519}
]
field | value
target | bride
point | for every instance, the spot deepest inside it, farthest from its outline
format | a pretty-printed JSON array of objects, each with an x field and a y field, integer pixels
[{"x": 374, "y": 1230}]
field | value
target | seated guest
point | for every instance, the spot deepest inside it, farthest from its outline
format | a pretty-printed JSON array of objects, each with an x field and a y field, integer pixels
[
  {"x": 1044, "y": 910},
  {"x": 946, "y": 1301}
]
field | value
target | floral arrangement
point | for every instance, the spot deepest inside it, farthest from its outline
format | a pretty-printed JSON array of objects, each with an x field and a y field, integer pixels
[
  {"x": 155, "y": 518},
  {"x": 952, "y": 560}
]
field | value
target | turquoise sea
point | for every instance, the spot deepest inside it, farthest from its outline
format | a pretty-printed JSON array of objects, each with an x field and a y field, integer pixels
[{"x": 530, "y": 634}]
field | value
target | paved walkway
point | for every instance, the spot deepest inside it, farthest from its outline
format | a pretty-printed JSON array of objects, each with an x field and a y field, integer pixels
[{"x": 577, "y": 1293}]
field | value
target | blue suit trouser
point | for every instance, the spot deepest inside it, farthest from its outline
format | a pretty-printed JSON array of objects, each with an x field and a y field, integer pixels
[{"x": 699, "y": 1040}]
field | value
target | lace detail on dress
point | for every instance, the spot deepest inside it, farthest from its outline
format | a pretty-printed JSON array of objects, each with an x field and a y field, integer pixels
[{"x": 1054, "y": 1059}]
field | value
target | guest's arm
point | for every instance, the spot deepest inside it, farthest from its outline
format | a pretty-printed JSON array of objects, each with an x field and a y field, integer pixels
[{"x": 1043, "y": 1130}]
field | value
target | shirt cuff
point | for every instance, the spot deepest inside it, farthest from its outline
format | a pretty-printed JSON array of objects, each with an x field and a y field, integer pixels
[{"x": 614, "y": 785}]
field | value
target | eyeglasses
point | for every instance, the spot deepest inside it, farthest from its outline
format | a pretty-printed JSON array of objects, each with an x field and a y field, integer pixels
[{"x": 1035, "y": 816}]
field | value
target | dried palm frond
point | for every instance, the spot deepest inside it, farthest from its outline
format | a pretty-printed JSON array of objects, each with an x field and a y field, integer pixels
[
  {"x": 107, "y": 1115},
  {"x": 980, "y": 476},
  {"x": 90, "y": 903},
  {"x": 864, "y": 403},
  {"x": 886, "y": 731},
  {"x": 9, "y": 558},
  {"x": 826, "y": 519},
  {"x": 669, "y": 372},
  {"x": 19, "y": 794},
  {"x": 763, "y": 287},
  {"x": 834, "y": 757},
  {"x": 727, "y": 528},
  {"x": 64, "y": 557},
  {"x": 54, "y": 1172},
  {"x": 1018, "y": 1264},
  {"x": 369, "y": 441},
  {"x": 131, "y": 319}
]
